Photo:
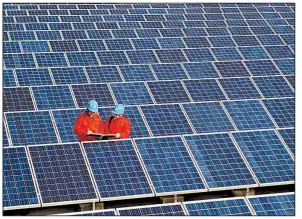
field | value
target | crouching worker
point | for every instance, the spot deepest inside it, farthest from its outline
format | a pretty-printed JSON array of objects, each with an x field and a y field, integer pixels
[
  {"x": 117, "y": 124},
  {"x": 89, "y": 122}
]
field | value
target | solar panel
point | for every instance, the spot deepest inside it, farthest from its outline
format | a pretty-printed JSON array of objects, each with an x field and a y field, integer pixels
[
  {"x": 112, "y": 57},
  {"x": 99, "y": 74},
  {"x": 137, "y": 73},
  {"x": 135, "y": 93},
  {"x": 35, "y": 46},
  {"x": 168, "y": 92},
  {"x": 50, "y": 60},
  {"x": 49, "y": 19},
  {"x": 147, "y": 33},
  {"x": 274, "y": 87},
  {"x": 107, "y": 212},
  {"x": 282, "y": 204},
  {"x": 291, "y": 80},
  {"x": 194, "y": 31},
  {"x": 270, "y": 40},
  {"x": 53, "y": 97},
  {"x": 123, "y": 33},
  {"x": 82, "y": 58},
  {"x": 251, "y": 53},
  {"x": 279, "y": 52},
  {"x": 8, "y": 78},
  {"x": 85, "y": 92},
  {"x": 288, "y": 136},
  {"x": 11, "y": 47},
  {"x": 177, "y": 124},
  {"x": 99, "y": 34},
  {"x": 62, "y": 174},
  {"x": 199, "y": 55},
  {"x": 18, "y": 60},
  {"x": 18, "y": 184},
  {"x": 267, "y": 156},
  {"x": 219, "y": 161},
  {"x": 239, "y": 88},
  {"x": 74, "y": 34},
  {"x": 194, "y": 70},
  {"x": 142, "y": 56},
  {"x": 48, "y": 35},
  {"x": 195, "y": 42},
  {"x": 67, "y": 75},
  {"x": 20, "y": 35},
  {"x": 217, "y": 31},
  {"x": 169, "y": 165},
  {"x": 64, "y": 46},
  {"x": 29, "y": 128},
  {"x": 169, "y": 71},
  {"x": 5, "y": 141},
  {"x": 173, "y": 32},
  {"x": 145, "y": 43},
  {"x": 117, "y": 170},
  {"x": 224, "y": 41},
  {"x": 119, "y": 44},
  {"x": 248, "y": 114},
  {"x": 173, "y": 209},
  {"x": 170, "y": 43},
  {"x": 262, "y": 67},
  {"x": 232, "y": 69},
  {"x": 218, "y": 207},
  {"x": 17, "y": 99},
  {"x": 208, "y": 117},
  {"x": 223, "y": 54},
  {"x": 282, "y": 110},
  {"x": 286, "y": 66}
]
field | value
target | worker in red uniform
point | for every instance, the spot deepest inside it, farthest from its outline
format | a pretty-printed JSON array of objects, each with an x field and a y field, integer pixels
[
  {"x": 117, "y": 124},
  {"x": 89, "y": 122}
]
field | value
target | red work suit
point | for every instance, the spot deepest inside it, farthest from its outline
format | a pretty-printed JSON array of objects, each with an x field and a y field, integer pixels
[
  {"x": 84, "y": 123},
  {"x": 120, "y": 125}
]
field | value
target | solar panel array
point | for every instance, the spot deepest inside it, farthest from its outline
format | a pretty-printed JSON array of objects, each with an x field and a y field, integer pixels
[{"x": 180, "y": 69}]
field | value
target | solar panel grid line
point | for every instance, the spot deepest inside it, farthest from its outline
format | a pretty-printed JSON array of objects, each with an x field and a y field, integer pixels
[
  {"x": 221, "y": 88},
  {"x": 145, "y": 121},
  {"x": 112, "y": 93},
  {"x": 88, "y": 213},
  {"x": 285, "y": 144},
  {"x": 33, "y": 98},
  {"x": 186, "y": 90},
  {"x": 289, "y": 84},
  {"x": 187, "y": 118},
  {"x": 228, "y": 115},
  {"x": 6, "y": 131},
  {"x": 257, "y": 88},
  {"x": 55, "y": 126}
]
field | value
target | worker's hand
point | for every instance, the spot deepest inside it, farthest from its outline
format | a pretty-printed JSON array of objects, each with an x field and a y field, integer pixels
[
  {"x": 89, "y": 132},
  {"x": 117, "y": 135}
]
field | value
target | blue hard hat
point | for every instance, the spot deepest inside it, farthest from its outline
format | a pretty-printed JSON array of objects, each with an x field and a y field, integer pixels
[
  {"x": 119, "y": 109},
  {"x": 92, "y": 105}
]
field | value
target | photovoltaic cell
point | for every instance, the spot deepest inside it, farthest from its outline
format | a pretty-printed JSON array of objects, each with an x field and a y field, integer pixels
[
  {"x": 8, "y": 78},
  {"x": 17, "y": 99},
  {"x": 53, "y": 97},
  {"x": 142, "y": 56},
  {"x": 267, "y": 156},
  {"x": 219, "y": 161},
  {"x": 262, "y": 67},
  {"x": 48, "y": 35},
  {"x": 270, "y": 40},
  {"x": 18, "y": 60},
  {"x": 169, "y": 71},
  {"x": 82, "y": 58},
  {"x": 249, "y": 115},
  {"x": 274, "y": 87},
  {"x": 63, "y": 46},
  {"x": 50, "y": 59},
  {"x": 239, "y": 88},
  {"x": 66, "y": 75},
  {"x": 18, "y": 184},
  {"x": 153, "y": 210},
  {"x": 99, "y": 74},
  {"x": 201, "y": 70},
  {"x": 145, "y": 43},
  {"x": 148, "y": 33},
  {"x": 20, "y": 35},
  {"x": 116, "y": 169},
  {"x": 169, "y": 165},
  {"x": 288, "y": 136},
  {"x": 168, "y": 92},
  {"x": 11, "y": 47},
  {"x": 199, "y": 55},
  {"x": 123, "y": 33},
  {"x": 291, "y": 80},
  {"x": 223, "y": 54},
  {"x": 29, "y": 128},
  {"x": 137, "y": 73},
  {"x": 119, "y": 44},
  {"x": 85, "y": 92},
  {"x": 225, "y": 41},
  {"x": 208, "y": 117},
  {"x": 170, "y": 43},
  {"x": 280, "y": 52},
  {"x": 170, "y": 56},
  {"x": 282, "y": 110},
  {"x": 219, "y": 207},
  {"x": 99, "y": 34},
  {"x": 232, "y": 69},
  {"x": 274, "y": 205},
  {"x": 35, "y": 46},
  {"x": 63, "y": 176},
  {"x": 286, "y": 66},
  {"x": 112, "y": 57}
]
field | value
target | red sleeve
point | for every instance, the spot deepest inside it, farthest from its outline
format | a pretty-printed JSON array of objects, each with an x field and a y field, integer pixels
[
  {"x": 126, "y": 130},
  {"x": 79, "y": 129},
  {"x": 105, "y": 126}
]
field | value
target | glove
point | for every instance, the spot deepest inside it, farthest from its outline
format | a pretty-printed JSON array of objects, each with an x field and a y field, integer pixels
[
  {"x": 117, "y": 135},
  {"x": 89, "y": 132}
]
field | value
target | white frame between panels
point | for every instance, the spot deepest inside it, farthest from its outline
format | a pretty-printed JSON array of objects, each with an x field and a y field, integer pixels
[{"x": 85, "y": 212}]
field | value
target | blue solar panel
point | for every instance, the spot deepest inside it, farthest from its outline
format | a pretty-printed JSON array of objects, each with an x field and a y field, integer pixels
[
  {"x": 119, "y": 44},
  {"x": 251, "y": 53},
  {"x": 195, "y": 32},
  {"x": 274, "y": 87},
  {"x": 123, "y": 33},
  {"x": 240, "y": 30},
  {"x": 280, "y": 52},
  {"x": 282, "y": 110},
  {"x": 169, "y": 165},
  {"x": 145, "y": 43},
  {"x": 288, "y": 136},
  {"x": 49, "y": 19},
  {"x": 82, "y": 58},
  {"x": 69, "y": 18},
  {"x": 28, "y": 128},
  {"x": 223, "y": 54},
  {"x": 53, "y": 97},
  {"x": 137, "y": 73},
  {"x": 67, "y": 75},
  {"x": 35, "y": 46},
  {"x": 170, "y": 56},
  {"x": 18, "y": 35},
  {"x": 232, "y": 69},
  {"x": 8, "y": 78},
  {"x": 208, "y": 117},
  {"x": 199, "y": 55},
  {"x": 64, "y": 46},
  {"x": 11, "y": 47},
  {"x": 217, "y": 31},
  {"x": 291, "y": 80},
  {"x": 83, "y": 26},
  {"x": 112, "y": 57},
  {"x": 286, "y": 66},
  {"x": 51, "y": 59},
  {"x": 62, "y": 175},
  {"x": 177, "y": 124},
  {"x": 18, "y": 60},
  {"x": 131, "y": 93},
  {"x": 267, "y": 156},
  {"x": 152, "y": 24},
  {"x": 18, "y": 184},
  {"x": 219, "y": 207},
  {"x": 195, "y": 42},
  {"x": 168, "y": 92},
  {"x": 142, "y": 56},
  {"x": 17, "y": 99},
  {"x": 48, "y": 35},
  {"x": 99, "y": 34},
  {"x": 262, "y": 67},
  {"x": 103, "y": 74},
  {"x": 239, "y": 88},
  {"x": 249, "y": 115},
  {"x": 61, "y": 26},
  {"x": 274, "y": 205},
  {"x": 208, "y": 70},
  {"x": 117, "y": 169},
  {"x": 74, "y": 34},
  {"x": 225, "y": 41},
  {"x": 169, "y": 71},
  {"x": 153, "y": 210},
  {"x": 270, "y": 40},
  {"x": 170, "y": 43},
  {"x": 171, "y": 32},
  {"x": 148, "y": 33},
  {"x": 107, "y": 212}
]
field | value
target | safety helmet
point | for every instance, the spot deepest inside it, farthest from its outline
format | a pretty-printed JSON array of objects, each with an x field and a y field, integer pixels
[
  {"x": 119, "y": 109},
  {"x": 92, "y": 106}
]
